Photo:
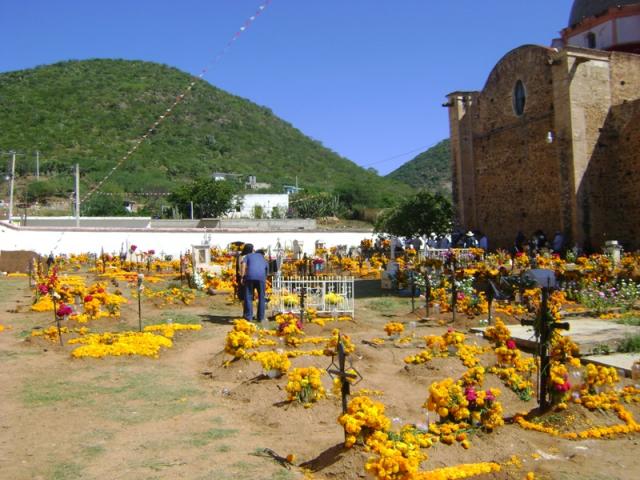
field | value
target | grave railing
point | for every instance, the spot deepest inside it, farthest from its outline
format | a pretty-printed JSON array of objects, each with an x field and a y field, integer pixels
[{"x": 327, "y": 295}]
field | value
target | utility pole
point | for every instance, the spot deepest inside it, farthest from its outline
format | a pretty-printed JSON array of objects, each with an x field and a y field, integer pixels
[
  {"x": 191, "y": 203},
  {"x": 13, "y": 176},
  {"x": 37, "y": 164},
  {"x": 77, "y": 194}
]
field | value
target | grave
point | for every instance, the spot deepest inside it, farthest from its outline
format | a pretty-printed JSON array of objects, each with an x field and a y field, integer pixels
[
  {"x": 620, "y": 361},
  {"x": 592, "y": 335}
]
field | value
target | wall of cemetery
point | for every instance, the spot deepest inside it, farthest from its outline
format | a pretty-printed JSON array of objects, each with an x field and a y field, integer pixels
[{"x": 88, "y": 240}]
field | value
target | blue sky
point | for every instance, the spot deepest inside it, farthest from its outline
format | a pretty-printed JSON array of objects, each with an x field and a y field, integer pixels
[{"x": 366, "y": 78}]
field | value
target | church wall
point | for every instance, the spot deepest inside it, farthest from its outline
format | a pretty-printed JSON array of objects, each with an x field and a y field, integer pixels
[
  {"x": 585, "y": 182},
  {"x": 517, "y": 172},
  {"x": 613, "y": 179},
  {"x": 625, "y": 77},
  {"x": 603, "y": 88}
]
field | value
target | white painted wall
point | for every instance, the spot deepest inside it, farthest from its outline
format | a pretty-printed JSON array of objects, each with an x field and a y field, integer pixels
[
  {"x": 604, "y": 36},
  {"x": 629, "y": 29},
  {"x": 170, "y": 242},
  {"x": 266, "y": 200}
]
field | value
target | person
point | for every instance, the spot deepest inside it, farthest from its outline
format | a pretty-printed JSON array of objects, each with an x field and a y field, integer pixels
[
  {"x": 254, "y": 277},
  {"x": 520, "y": 242},
  {"x": 50, "y": 261},
  {"x": 470, "y": 240},
  {"x": 558, "y": 243},
  {"x": 247, "y": 248},
  {"x": 483, "y": 243}
]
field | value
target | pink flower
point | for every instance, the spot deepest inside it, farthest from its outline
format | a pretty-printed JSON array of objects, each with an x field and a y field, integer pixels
[
  {"x": 490, "y": 396},
  {"x": 64, "y": 310},
  {"x": 42, "y": 288},
  {"x": 470, "y": 394},
  {"x": 133, "y": 248},
  {"x": 511, "y": 344},
  {"x": 151, "y": 252}
]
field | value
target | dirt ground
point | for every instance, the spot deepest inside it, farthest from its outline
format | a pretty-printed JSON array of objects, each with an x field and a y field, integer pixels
[{"x": 185, "y": 416}]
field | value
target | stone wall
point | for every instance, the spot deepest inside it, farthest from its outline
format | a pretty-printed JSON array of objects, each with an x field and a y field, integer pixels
[
  {"x": 614, "y": 202},
  {"x": 516, "y": 172}
]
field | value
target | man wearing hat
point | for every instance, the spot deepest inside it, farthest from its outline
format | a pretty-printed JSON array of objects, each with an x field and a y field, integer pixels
[{"x": 469, "y": 240}]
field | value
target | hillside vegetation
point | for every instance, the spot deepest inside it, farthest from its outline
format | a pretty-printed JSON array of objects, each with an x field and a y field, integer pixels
[
  {"x": 431, "y": 170},
  {"x": 90, "y": 112}
]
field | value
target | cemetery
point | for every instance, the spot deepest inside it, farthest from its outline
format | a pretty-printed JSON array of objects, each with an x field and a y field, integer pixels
[{"x": 373, "y": 362}]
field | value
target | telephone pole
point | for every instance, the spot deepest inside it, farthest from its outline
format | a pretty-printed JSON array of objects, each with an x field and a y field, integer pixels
[
  {"x": 37, "y": 164},
  {"x": 77, "y": 194},
  {"x": 13, "y": 176}
]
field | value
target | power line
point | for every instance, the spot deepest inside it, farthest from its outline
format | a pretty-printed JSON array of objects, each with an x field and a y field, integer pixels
[
  {"x": 160, "y": 119},
  {"x": 388, "y": 159}
]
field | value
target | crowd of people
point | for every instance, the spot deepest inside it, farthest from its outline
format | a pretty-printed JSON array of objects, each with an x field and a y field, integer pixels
[{"x": 477, "y": 239}]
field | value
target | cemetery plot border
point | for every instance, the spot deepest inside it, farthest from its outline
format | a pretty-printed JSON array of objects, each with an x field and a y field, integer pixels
[{"x": 327, "y": 295}]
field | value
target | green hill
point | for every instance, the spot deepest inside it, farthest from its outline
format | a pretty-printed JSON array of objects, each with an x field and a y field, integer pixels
[
  {"x": 430, "y": 170},
  {"x": 90, "y": 112}
]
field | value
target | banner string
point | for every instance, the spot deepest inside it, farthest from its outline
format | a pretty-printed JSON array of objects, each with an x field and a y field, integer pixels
[{"x": 161, "y": 118}]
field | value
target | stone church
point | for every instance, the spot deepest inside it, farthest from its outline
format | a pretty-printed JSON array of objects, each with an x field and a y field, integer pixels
[{"x": 552, "y": 141}]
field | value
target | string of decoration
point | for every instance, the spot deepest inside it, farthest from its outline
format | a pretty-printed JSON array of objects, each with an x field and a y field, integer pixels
[{"x": 160, "y": 119}]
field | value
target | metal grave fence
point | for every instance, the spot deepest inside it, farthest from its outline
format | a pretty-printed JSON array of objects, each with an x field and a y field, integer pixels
[{"x": 327, "y": 295}]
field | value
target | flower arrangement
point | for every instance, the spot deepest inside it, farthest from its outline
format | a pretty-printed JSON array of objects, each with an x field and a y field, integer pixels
[
  {"x": 237, "y": 343},
  {"x": 305, "y": 385},
  {"x": 420, "y": 358},
  {"x": 394, "y": 328},
  {"x": 288, "y": 325},
  {"x": 100, "y": 345},
  {"x": 238, "y": 339},
  {"x": 396, "y": 460},
  {"x": 168, "y": 329},
  {"x": 364, "y": 417},
  {"x": 458, "y": 404},
  {"x": 599, "y": 378},
  {"x": 333, "y": 298},
  {"x": 560, "y": 386},
  {"x": 459, "y": 471},
  {"x": 332, "y": 344},
  {"x": 274, "y": 362},
  {"x": 290, "y": 300}
]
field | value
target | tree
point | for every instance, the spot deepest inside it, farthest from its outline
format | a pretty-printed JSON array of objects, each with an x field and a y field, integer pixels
[
  {"x": 421, "y": 214},
  {"x": 103, "y": 206},
  {"x": 210, "y": 198}
]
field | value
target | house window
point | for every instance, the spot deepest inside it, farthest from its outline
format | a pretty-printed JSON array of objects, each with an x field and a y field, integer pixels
[
  {"x": 591, "y": 40},
  {"x": 519, "y": 98}
]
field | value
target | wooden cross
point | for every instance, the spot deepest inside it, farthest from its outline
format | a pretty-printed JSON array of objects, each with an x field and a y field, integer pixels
[
  {"x": 343, "y": 375},
  {"x": 543, "y": 327},
  {"x": 303, "y": 295}
]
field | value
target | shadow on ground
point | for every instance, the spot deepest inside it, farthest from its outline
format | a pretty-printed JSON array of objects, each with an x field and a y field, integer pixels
[
  {"x": 219, "y": 319},
  {"x": 325, "y": 459}
]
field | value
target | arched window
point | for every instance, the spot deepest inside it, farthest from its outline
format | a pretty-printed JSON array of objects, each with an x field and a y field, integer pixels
[
  {"x": 591, "y": 40},
  {"x": 519, "y": 98}
]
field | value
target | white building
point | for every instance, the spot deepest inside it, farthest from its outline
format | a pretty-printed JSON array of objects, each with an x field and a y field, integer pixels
[{"x": 261, "y": 205}]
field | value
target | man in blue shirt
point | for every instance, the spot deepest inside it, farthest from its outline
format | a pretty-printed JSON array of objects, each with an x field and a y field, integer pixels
[{"x": 254, "y": 277}]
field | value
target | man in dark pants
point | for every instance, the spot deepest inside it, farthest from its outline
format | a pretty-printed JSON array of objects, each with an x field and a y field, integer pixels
[{"x": 254, "y": 277}]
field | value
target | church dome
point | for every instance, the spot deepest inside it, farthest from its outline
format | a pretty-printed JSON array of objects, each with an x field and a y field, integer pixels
[{"x": 590, "y": 8}]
